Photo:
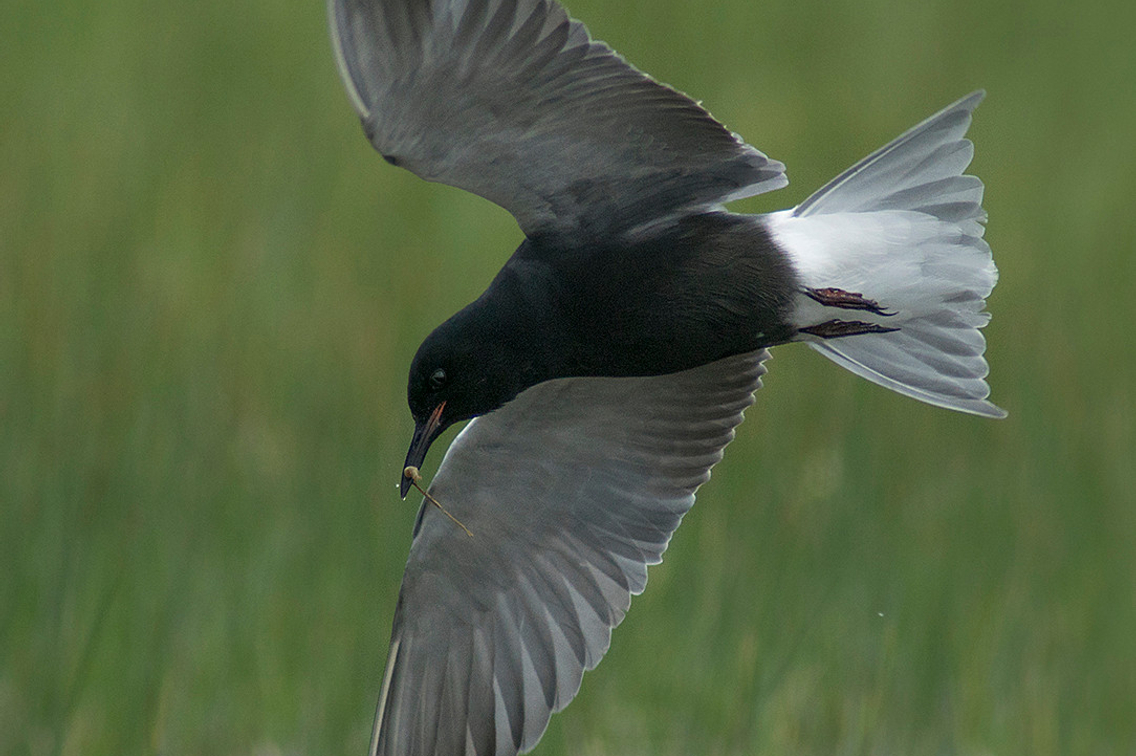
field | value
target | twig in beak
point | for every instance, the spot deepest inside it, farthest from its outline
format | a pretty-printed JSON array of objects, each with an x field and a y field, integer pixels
[{"x": 415, "y": 477}]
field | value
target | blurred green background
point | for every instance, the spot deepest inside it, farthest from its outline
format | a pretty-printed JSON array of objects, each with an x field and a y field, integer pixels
[{"x": 211, "y": 288}]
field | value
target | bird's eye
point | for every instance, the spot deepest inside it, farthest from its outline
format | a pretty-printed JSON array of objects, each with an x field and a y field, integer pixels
[{"x": 437, "y": 380}]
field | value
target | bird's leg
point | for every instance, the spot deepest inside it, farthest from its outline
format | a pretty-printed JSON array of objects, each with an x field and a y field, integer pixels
[
  {"x": 830, "y": 296},
  {"x": 415, "y": 477},
  {"x": 831, "y": 329}
]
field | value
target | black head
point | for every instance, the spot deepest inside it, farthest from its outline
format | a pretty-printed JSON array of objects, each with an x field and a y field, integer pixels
[{"x": 467, "y": 367}]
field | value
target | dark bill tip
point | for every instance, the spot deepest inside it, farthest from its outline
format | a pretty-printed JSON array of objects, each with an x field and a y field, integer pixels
[{"x": 424, "y": 434}]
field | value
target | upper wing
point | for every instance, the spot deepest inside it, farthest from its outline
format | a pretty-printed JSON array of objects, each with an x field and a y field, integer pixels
[
  {"x": 512, "y": 100},
  {"x": 570, "y": 491}
]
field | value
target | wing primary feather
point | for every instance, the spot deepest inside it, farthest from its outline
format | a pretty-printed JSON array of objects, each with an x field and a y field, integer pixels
[
  {"x": 560, "y": 607},
  {"x": 539, "y": 645},
  {"x": 342, "y": 62},
  {"x": 384, "y": 695},
  {"x": 481, "y": 704},
  {"x": 522, "y": 39},
  {"x": 471, "y": 25},
  {"x": 497, "y": 29},
  {"x": 508, "y": 669},
  {"x": 452, "y": 697}
]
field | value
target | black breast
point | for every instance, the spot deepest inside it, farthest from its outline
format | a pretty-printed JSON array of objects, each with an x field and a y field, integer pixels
[{"x": 709, "y": 286}]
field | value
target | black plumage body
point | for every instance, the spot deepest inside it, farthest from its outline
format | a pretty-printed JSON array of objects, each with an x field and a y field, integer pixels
[{"x": 701, "y": 288}]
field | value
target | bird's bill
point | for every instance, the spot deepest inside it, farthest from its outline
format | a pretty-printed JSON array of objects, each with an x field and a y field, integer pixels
[{"x": 424, "y": 434}]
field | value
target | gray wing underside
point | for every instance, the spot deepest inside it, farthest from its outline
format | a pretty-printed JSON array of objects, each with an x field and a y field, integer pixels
[
  {"x": 570, "y": 491},
  {"x": 512, "y": 100}
]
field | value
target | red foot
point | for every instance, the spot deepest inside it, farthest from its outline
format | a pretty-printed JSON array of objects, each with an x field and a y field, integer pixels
[
  {"x": 831, "y": 329},
  {"x": 846, "y": 300}
]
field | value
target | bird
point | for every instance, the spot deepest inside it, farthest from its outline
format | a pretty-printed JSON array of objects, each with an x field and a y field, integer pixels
[{"x": 606, "y": 366}]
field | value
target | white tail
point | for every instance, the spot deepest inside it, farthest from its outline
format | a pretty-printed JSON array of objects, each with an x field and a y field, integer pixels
[{"x": 895, "y": 269}]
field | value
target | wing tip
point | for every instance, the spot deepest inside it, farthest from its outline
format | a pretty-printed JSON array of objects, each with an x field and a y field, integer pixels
[
  {"x": 384, "y": 693},
  {"x": 341, "y": 64}
]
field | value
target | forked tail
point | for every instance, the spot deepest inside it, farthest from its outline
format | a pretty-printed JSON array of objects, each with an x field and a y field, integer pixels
[{"x": 894, "y": 269}]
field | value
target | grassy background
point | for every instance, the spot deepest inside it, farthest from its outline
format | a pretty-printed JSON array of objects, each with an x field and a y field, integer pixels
[{"x": 210, "y": 290}]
